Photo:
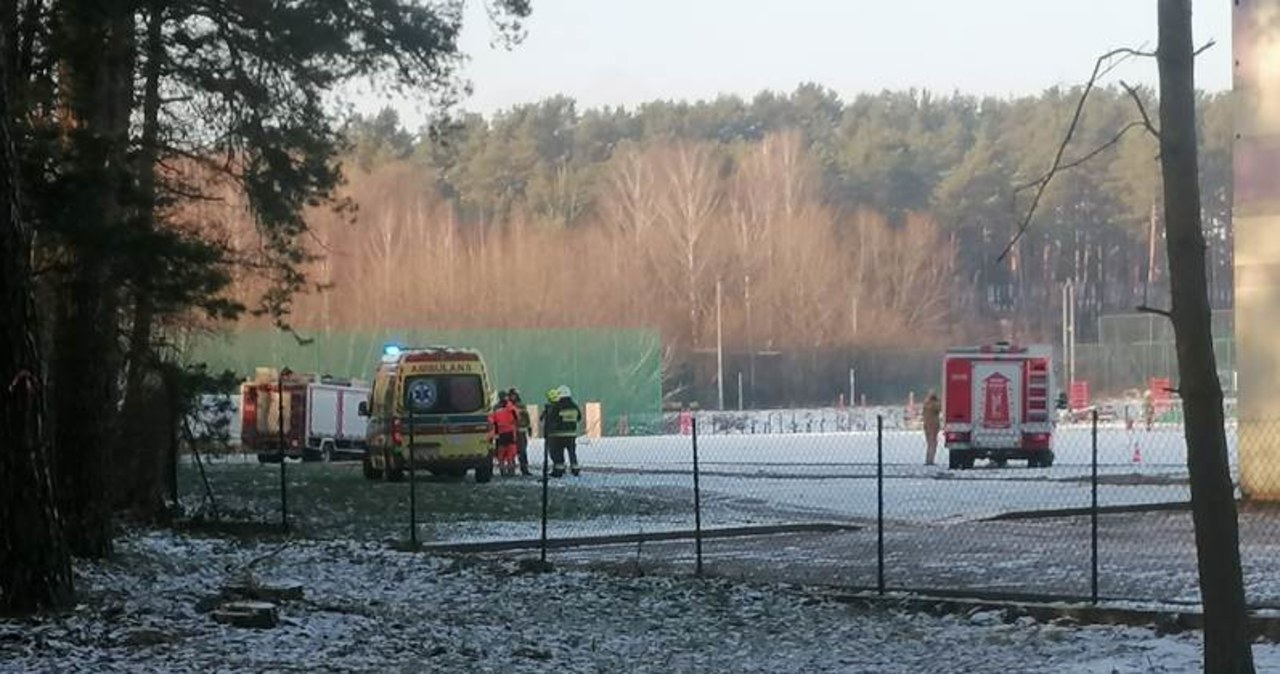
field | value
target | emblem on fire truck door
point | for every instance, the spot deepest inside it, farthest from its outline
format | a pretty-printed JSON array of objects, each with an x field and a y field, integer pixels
[{"x": 995, "y": 405}]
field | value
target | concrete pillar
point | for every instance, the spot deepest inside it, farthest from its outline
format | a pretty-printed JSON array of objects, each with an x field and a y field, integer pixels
[
  {"x": 1256, "y": 43},
  {"x": 595, "y": 420}
]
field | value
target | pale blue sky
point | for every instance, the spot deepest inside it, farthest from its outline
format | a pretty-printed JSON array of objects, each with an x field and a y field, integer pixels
[{"x": 611, "y": 52}]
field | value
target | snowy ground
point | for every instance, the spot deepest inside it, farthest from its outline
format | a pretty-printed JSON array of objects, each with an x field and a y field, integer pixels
[
  {"x": 938, "y": 524},
  {"x": 370, "y": 609}
]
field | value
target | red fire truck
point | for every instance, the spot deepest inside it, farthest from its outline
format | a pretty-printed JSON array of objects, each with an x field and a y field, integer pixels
[
  {"x": 996, "y": 404},
  {"x": 320, "y": 414}
]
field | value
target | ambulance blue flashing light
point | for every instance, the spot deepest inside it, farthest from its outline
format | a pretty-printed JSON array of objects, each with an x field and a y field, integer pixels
[{"x": 390, "y": 352}]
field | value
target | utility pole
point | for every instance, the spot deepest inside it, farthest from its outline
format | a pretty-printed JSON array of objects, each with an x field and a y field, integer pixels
[
  {"x": 1069, "y": 332},
  {"x": 1151, "y": 256},
  {"x": 1066, "y": 340},
  {"x": 740, "y": 390},
  {"x": 751, "y": 344},
  {"x": 853, "y": 314},
  {"x": 719, "y": 347},
  {"x": 1072, "y": 333}
]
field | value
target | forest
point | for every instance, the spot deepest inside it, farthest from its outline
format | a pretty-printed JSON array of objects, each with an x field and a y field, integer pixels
[
  {"x": 171, "y": 167},
  {"x": 828, "y": 227}
]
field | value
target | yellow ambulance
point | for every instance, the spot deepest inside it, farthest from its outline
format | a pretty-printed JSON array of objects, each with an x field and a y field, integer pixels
[{"x": 429, "y": 405}]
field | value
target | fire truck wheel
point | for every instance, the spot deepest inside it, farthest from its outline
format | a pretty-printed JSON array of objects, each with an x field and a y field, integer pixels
[
  {"x": 484, "y": 473},
  {"x": 959, "y": 461},
  {"x": 1044, "y": 460},
  {"x": 1000, "y": 463},
  {"x": 268, "y": 458},
  {"x": 326, "y": 452}
]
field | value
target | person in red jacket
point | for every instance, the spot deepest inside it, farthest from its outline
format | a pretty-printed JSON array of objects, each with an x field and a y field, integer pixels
[{"x": 506, "y": 421}]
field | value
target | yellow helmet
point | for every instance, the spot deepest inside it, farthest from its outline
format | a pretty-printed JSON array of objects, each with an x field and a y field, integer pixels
[{"x": 553, "y": 394}]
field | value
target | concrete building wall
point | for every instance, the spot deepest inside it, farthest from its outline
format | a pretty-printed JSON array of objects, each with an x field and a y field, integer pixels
[{"x": 1256, "y": 44}]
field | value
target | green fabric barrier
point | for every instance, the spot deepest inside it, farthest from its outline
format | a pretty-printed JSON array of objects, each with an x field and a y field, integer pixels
[{"x": 621, "y": 369}]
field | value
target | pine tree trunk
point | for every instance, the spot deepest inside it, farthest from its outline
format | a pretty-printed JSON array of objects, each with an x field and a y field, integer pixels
[
  {"x": 140, "y": 487},
  {"x": 95, "y": 39},
  {"x": 35, "y": 568},
  {"x": 1213, "y": 508}
]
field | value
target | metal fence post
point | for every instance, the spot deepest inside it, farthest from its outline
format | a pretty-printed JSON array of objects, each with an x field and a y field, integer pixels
[
  {"x": 880, "y": 503},
  {"x": 546, "y": 458},
  {"x": 284, "y": 489},
  {"x": 1094, "y": 514},
  {"x": 697, "y": 502},
  {"x": 413, "y": 486}
]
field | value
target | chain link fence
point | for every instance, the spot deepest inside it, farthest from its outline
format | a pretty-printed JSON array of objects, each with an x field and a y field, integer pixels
[
  {"x": 837, "y": 498},
  {"x": 1133, "y": 349}
]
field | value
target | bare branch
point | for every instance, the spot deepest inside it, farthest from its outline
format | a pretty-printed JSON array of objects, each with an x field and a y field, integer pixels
[
  {"x": 1144, "y": 309},
  {"x": 1102, "y": 66},
  {"x": 1142, "y": 108},
  {"x": 1103, "y": 147},
  {"x": 1204, "y": 48},
  {"x": 1121, "y": 56}
]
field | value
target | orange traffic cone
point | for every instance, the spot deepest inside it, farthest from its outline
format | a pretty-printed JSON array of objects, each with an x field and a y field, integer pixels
[{"x": 1137, "y": 453}]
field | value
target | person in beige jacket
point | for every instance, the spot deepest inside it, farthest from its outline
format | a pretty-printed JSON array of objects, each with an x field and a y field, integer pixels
[{"x": 932, "y": 417}]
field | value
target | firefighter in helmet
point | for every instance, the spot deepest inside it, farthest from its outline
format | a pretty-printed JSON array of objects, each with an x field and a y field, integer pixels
[{"x": 560, "y": 421}]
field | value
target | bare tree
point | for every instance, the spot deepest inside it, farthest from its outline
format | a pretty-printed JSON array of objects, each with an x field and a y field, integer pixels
[
  {"x": 630, "y": 210},
  {"x": 687, "y": 213},
  {"x": 1213, "y": 508},
  {"x": 912, "y": 267}
]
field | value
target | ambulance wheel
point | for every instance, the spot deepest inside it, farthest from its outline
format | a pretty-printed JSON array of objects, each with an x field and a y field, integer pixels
[
  {"x": 392, "y": 471},
  {"x": 484, "y": 473},
  {"x": 370, "y": 473}
]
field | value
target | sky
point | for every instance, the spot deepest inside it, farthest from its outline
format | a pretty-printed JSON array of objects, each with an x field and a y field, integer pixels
[{"x": 626, "y": 52}]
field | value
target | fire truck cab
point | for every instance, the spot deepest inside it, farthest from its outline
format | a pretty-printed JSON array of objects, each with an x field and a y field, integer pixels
[{"x": 997, "y": 404}]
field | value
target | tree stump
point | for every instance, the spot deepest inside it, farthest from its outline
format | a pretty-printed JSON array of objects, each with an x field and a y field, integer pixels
[{"x": 252, "y": 614}]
